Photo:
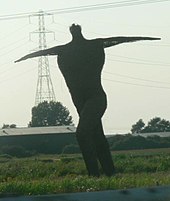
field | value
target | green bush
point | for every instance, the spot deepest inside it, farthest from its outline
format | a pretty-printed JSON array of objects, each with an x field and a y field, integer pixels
[
  {"x": 130, "y": 142},
  {"x": 5, "y": 156},
  {"x": 71, "y": 149},
  {"x": 17, "y": 151}
]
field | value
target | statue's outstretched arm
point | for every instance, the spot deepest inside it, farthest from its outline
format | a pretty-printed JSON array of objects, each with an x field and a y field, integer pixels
[
  {"x": 46, "y": 52},
  {"x": 108, "y": 42}
]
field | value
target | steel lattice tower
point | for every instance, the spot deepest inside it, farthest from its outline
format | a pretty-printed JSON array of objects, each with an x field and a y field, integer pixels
[{"x": 44, "y": 90}]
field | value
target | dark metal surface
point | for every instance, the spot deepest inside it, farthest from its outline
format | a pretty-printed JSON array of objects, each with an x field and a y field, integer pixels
[{"x": 139, "y": 194}]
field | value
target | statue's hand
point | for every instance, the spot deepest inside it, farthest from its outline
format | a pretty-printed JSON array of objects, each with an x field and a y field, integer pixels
[
  {"x": 21, "y": 59},
  {"x": 18, "y": 60}
]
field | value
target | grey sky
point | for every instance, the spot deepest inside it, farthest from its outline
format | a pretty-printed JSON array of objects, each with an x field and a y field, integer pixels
[{"x": 127, "y": 66}]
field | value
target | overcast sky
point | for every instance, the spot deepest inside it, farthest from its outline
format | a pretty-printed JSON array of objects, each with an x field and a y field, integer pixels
[{"x": 136, "y": 76}]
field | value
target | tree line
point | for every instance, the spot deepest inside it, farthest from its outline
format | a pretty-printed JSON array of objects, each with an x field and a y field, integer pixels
[
  {"x": 56, "y": 114},
  {"x": 154, "y": 125}
]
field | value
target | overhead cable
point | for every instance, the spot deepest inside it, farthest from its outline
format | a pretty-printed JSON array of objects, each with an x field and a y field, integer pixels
[
  {"x": 134, "y": 84},
  {"x": 141, "y": 63},
  {"x": 136, "y": 78},
  {"x": 75, "y": 9}
]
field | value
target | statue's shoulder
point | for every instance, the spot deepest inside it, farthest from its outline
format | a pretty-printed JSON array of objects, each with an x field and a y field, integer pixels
[{"x": 97, "y": 42}]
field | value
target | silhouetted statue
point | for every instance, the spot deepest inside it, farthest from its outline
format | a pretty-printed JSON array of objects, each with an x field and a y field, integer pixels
[{"x": 81, "y": 62}]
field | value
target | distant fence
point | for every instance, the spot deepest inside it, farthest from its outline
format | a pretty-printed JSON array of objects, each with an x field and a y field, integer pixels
[{"x": 139, "y": 194}]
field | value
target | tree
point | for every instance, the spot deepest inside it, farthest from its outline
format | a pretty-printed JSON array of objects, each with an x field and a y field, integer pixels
[
  {"x": 50, "y": 114},
  {"x": 157, "y": 125},
  {"x": 138, "y": 127},
  {"x": 5, "y": 126},
  {"x": 13, "y": 126}
]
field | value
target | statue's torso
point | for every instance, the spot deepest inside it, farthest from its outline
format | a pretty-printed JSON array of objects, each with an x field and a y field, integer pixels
[{"x": 81, "y": 63}]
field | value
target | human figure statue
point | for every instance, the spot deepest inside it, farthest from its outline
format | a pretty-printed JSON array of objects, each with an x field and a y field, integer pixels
[{"x": 81, "y": 62}]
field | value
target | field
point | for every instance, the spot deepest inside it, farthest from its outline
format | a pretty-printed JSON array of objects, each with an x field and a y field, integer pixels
[{"x": 47, "y": 174}]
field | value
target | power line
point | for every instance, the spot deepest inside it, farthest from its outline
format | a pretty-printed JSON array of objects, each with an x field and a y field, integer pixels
[
  {"x": 13, "y": 49},
  {"x": 105, "y": 6},
  {"x": 141, "y": 85},
  {"x": 17, "y": 15},
  {"x": 13, "y": 32},
  {"x": 84, "y": 8},
  {"x": 141, "y": 63},
  {"x": 18, "y": 75},
  {"x": 131, "y": 77},
  {"x": 157, "y": 45},
  {"x": 11, "y": 44},
  {"x": 136, "y": 78},
  {"x": 137, "y": 59}
]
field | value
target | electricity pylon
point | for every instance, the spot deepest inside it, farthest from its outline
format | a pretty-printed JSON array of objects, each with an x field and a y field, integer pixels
[{"x": 44, "y": 90}]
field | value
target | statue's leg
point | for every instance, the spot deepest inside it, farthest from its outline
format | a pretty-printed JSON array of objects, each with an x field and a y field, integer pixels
[
  {"x": 90, "y": 116},
  {"x": 84, "y": 137},
  {"x": 103, "y": 151}
]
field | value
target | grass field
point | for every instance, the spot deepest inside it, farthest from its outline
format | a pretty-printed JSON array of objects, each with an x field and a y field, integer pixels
[{"x": 44, "y": 174}]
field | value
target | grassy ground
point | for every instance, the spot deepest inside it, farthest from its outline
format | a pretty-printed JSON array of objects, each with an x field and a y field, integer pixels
[{"x": 44, "y": 174}]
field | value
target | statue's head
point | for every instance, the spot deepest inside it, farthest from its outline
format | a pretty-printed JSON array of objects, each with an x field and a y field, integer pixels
[{"x": 75, "y": 30}]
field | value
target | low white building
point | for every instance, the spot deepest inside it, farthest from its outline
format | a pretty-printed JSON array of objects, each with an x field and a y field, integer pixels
[{"x": 37, "y": 130}]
